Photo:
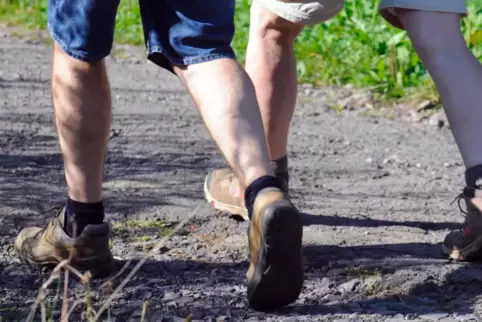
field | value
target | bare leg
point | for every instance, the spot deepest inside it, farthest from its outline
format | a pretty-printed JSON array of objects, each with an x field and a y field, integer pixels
[
  {"x": 231, "y": 115},
  {"x": 81, "y": 99},
  {"x": 457, "y": 74},
  {"x": 82, "y": 102},
  {"x": 271, "y": 64},
  {"x": 227, "y": 101}
]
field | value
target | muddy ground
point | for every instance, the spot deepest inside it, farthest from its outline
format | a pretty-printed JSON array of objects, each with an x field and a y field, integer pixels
[{"x": 375, "y": 193}]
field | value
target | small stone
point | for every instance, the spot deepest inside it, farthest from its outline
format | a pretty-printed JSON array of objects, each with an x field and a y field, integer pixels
[
  {"x": 433, "y": 316},
  {"x": 331, "y": 298},
  {"x": 241, "y": 305},
  {"x": 369, "y": 160},
  {"x": 436, "y": 122},
  {"x": 467, "y": 317},
  {"x": 169, "y": 296},
  {"x": 226, "y": 288},
  {"x": 396, "y": 319},
  {"x": 323, "y": 287},
  {"x": 185, "y": 300},
  {"x": 410, "y": 316},
  {"x": 252, "y": 319},
  {"x": 425, "y": 105},
  {"x": 289, "y": 320}
]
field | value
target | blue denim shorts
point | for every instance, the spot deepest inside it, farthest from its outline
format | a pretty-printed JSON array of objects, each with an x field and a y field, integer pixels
[{"x": 176, "y": 32}]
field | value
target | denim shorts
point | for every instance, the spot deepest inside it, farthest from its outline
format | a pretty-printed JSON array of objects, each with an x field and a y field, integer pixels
[{"x": 176, "y": 32}]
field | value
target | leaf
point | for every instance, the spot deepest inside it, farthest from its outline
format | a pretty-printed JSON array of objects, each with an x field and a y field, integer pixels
[
  {"x": 476, "y": 37},
  {"x": 397, "y": 38}
]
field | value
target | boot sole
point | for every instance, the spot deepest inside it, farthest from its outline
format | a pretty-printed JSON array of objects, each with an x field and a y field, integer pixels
[
  {"x": 98, "y": 268},
  {"x": 233, "y": 210},
  {"x": 464, "y": 254},
  {"x": 278, "y": 276}
]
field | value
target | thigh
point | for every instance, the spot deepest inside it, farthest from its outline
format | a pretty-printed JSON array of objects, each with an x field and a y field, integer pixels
[
  {"x": 84, "y": 29},
  {"x": 184, "y": 32},
  {"x": 388, "y": 8},
  {"x": 304, "y": 12}
]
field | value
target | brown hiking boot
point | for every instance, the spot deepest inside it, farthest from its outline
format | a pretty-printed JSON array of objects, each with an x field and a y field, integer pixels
[
  {"x": 50, "y": 245},
  {"x": 223, "y": 191},
  {"x": 466, "y": 244},
  {"x": 275, "y": 275}
]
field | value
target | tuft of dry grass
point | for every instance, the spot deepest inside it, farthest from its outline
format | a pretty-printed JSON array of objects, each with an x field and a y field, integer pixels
[{"x": 63, "y": 270}]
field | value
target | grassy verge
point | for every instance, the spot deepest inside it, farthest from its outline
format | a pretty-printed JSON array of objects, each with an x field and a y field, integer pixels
[{"x": 357, "y": 47}]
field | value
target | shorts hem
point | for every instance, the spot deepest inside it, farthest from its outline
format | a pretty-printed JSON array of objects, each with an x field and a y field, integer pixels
[
  {"x": 191, "y": 60},
  {"x": 74, "y": 53},
  {"x": 426, "y": 5},
  {"x": 295, "y": 16},
  {"x": 291, "y": 12}
]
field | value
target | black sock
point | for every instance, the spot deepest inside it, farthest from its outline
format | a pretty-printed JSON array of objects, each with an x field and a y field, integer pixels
[
  {"x": 256, "y": 186},
  {"x": 473, "y": 176},
  {"x": 82, "y": 214}
]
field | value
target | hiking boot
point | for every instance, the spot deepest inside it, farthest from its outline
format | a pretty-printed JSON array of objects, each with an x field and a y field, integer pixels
[
  {"x": 275, "y": 275},
  {"x": 466, "y": 244},
  {"x": 48, "y": 246},
  {"x": 223, "y": 191}
]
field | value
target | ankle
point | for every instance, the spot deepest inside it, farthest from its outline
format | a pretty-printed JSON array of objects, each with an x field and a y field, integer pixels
[
  {"x": 254, "y": 188},
  {"x": 473, "y": 176},
  {"x": 79, "y": 214},
  {"x": 280, "y": 168}
]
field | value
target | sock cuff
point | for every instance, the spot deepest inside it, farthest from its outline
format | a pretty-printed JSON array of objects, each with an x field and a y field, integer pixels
[
  {"x": 77, "y": 206},
  {"x": 256, "y": 186}
]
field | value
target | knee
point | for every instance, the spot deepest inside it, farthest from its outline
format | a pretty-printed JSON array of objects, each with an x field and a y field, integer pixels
[
  {"x": 268, "y": 26},
  {"x": 80, "y": 94},
  {"x": 434, "y": 35},
  {"x": 65, "y": 65}
]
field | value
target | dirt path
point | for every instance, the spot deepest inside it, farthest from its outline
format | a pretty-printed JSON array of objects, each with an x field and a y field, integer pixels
[{"x": 375, "y": 194}]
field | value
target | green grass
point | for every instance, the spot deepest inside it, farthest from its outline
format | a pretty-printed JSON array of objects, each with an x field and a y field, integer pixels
[
  {"x": 357, "y": 47},
  {"x": 136, "y": 227}
]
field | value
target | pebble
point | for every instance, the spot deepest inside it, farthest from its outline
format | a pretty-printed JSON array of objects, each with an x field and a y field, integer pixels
[
  {"x": 185, "y": 300},
  {"x": 349, "y": 286},
  {"x": 169, "y": 296},
  {"x": 466, "y": 317},
  {"x": 433, "y": 316},
  {"x": 324, "y": 286},
  {"x": 289, "y": 320},
  {"x": 332, "y": 298},
  {"x": 226, "y": 288},
  {"x": 241, "y": 305}
]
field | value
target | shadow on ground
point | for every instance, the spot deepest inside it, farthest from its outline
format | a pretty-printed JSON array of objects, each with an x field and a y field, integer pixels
[
  {"x": 375, "y": 274},
  {"x": 309, "y": 220}
]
